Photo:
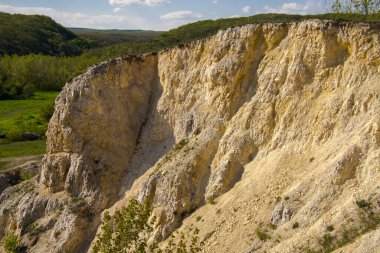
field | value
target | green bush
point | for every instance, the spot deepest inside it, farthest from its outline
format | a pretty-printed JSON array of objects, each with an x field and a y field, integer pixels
[
  {"x": 129, "y": 229},
  {"x": 368, "y": 221},
  {"x": 123, "y": 231},
  {"x": 363, "y": 204},
  {"x": 11, "y": 244},
  {"x": 26, "y": 175},
  {"x": 47, "y": 111},
  {"x": 262, "y": 235}
]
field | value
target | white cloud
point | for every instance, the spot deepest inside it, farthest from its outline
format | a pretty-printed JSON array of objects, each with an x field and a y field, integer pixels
[
  {"x": 139, "y": 2},
  {"x": 183, "y": 15},
  {"x": 118, "y": 9},
  {"x": 311, "y": 6},
  {"x": 156, "y": 2},
  {"x": 246, "y": 9},
  {"x": 215, "y": 1},
  {"x": 68, "y": 19},
  {"x": 234, "y": 16}
]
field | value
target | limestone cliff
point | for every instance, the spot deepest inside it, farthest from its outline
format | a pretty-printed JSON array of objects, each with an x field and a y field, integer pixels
[{"x": 271, "y": 123}]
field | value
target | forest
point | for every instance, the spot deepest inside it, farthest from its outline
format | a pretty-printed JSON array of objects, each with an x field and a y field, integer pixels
[{"x": 48, "y": 70}]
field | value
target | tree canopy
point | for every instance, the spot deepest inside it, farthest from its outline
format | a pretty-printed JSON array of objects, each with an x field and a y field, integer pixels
[
  {"x": 25, "y": 34},
  {"x": 365, "y": 7}
]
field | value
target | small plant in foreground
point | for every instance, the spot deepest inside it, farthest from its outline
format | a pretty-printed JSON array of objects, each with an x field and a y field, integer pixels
[
  {"x": 273, "y": 226},
  {"x": 327, "y": 242},
  {"x": 363, "y": 204},
  {"x": 211, "y": 201},
  {"x": 369, "y": 220},
  {"x": 262, "y": 235},
  {"x": 76, "y": 199},
  {"x": 26, "y": 175},
  {"x": 129, "y": 229},
  {"x": 11, "y": 244}
]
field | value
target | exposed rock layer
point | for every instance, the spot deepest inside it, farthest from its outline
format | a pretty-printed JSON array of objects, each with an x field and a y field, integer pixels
[{"x": 255, "y": 115}]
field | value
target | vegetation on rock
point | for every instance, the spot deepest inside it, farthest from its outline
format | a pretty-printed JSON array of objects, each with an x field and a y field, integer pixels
[
  {"x": 129, "y": 229},
  {"x": 11, "y": 244},
  {"x": 369, "y": 220}
]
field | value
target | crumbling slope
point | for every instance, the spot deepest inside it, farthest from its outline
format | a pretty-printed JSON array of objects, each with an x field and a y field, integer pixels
[{"x": 270, "y": 123}]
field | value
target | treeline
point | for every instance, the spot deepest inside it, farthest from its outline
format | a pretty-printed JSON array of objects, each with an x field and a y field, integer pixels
[
  {"x": 103, "y": 38},
  {"x": 20, "y": 76},
  {"x": 365, "y": 7},
  {"x": 25, "y": 34},
  {"x": 206, "y": 28}
]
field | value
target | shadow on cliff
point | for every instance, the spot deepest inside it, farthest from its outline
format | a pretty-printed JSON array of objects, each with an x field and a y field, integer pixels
[{"x": 156, "y": 138}]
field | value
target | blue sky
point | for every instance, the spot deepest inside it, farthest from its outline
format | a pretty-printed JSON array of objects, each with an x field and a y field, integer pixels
[{"x": 151, "y": 14}]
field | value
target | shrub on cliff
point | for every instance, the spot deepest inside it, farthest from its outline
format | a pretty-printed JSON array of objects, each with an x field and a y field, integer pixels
[
  {"x": 11, "y": 244},
  {"x": 128, "y": 230}
]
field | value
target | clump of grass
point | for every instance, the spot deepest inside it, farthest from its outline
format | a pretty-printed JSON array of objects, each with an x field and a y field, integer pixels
[
  {"x": 180, "y": 145},
  {"x": 368, "y": 221},
  {"x": 26, "y": 175},
  {"x": 211, "y": 201},
  {"x": 272, "y": 226},
  {"x": 168, "y": 157},
  {"x": 262, "y": 235},
  {"x": 207, "y": 236},
  {"x": 11, "y": 244},
  {"x": 295, "y": 225},
  {"x": 34, "y": 228},
  {"x": 76, "y": 199},
  {"x": 327, "y": 242},
  {"x": 363, "y": 204},
  {"x": 129, "y": 229},
  {"x": 198, "y": 218}
]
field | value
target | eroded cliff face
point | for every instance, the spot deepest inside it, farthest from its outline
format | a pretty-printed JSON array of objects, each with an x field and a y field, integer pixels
[{"x": 272, "y": 123}]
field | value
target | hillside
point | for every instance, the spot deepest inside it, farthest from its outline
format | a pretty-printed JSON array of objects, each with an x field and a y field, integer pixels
[
  {"x": 20, "y": 76},
  {"x": 26, "y": 34},
  {"x": 102, "y": 38},
  {"x": 265, "y": 137},
  {"x": 205, "y": 28}
]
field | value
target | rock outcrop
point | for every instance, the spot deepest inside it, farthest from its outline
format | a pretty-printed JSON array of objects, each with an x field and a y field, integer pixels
[{"x": 271, "y": 123}]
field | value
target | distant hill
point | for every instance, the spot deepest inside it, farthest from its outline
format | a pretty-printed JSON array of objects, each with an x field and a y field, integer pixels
[
  {"x": 110, "y": 37},
  {"x": 205, "y": 28},
  {"x": 25, "y": 34}
]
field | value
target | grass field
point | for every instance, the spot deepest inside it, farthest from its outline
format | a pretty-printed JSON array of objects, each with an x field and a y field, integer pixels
[
  {"x": 18, "y": 116},
  {"x": 21, "y": 116},
  {"x": 25, "y": 148}
]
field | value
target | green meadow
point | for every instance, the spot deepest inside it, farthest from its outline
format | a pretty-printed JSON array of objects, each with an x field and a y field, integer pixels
[{"x": 23, "y": 116}]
